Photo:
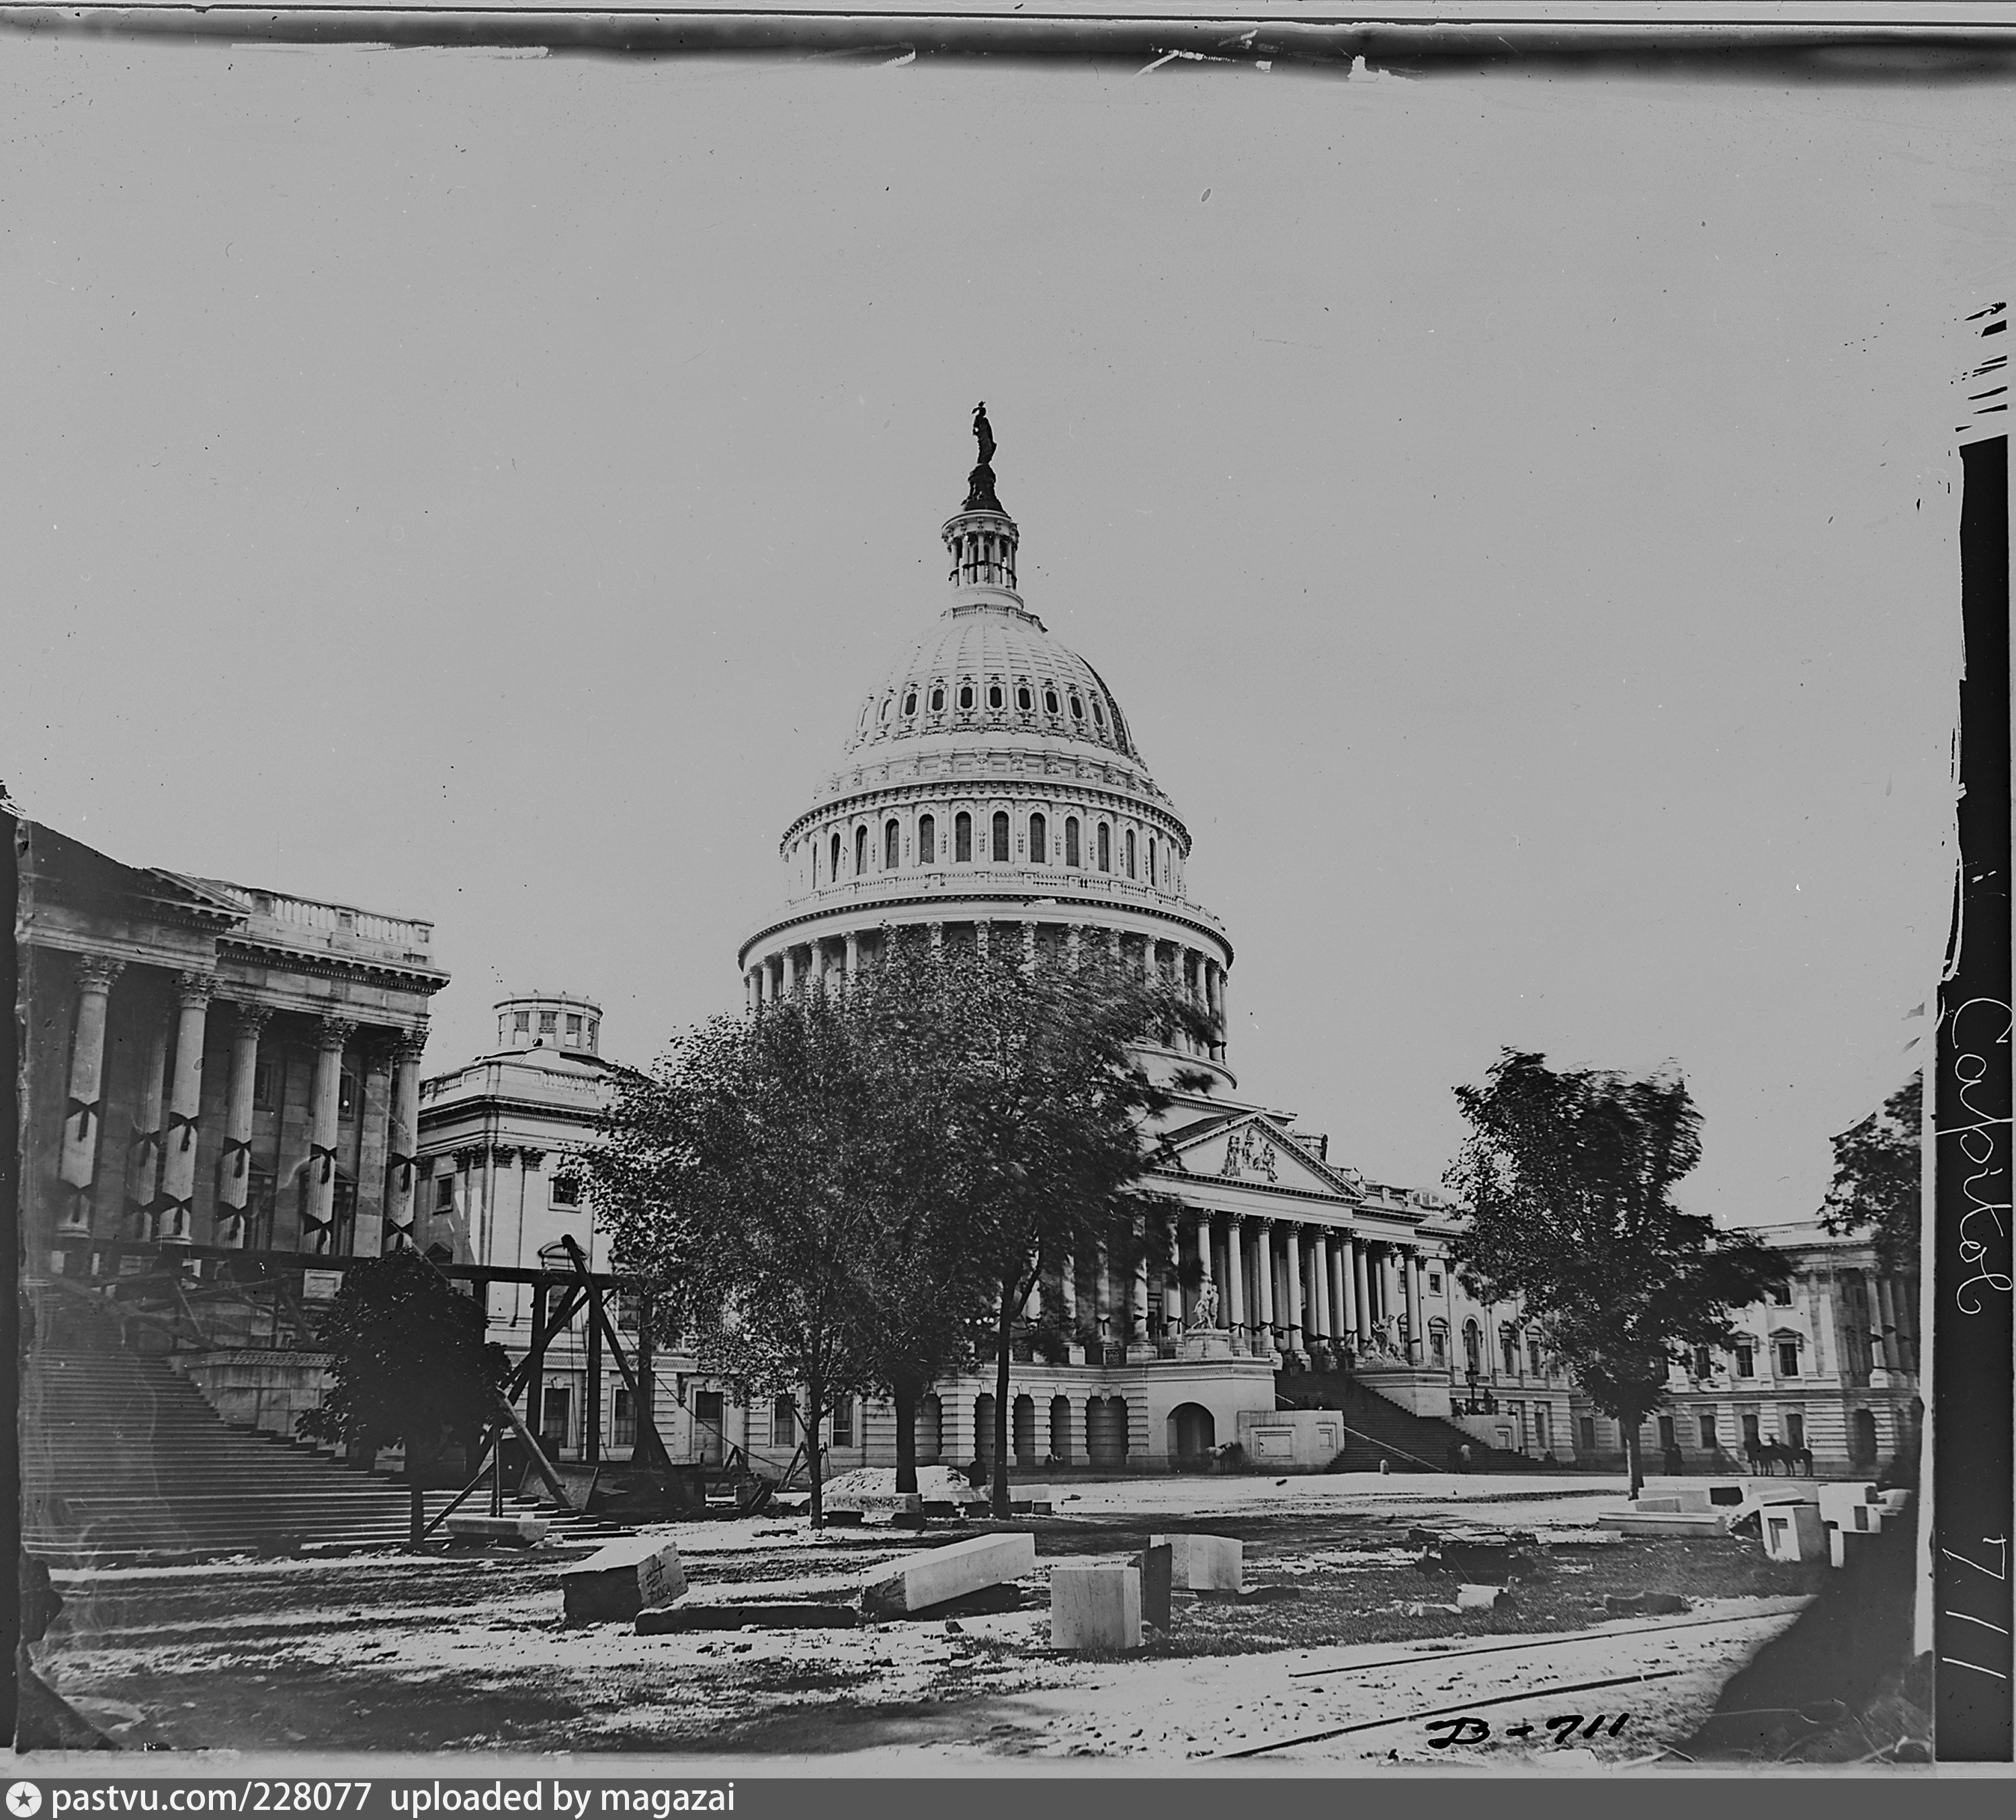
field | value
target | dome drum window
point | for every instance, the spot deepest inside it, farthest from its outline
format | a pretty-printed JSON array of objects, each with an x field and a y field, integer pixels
[
  {"x": 1105, "y": 848},
  {"x": 927, "y": 840},
  {"x": 937, "y": 699},
  {"x": 909, "y": 704},
  {"x": 995, "y": 698},
  {"x": 962, "y": 839},
  {"x": 1024, "y": 702},
  {"x": 1049, "y": 701},
  {"x": 891, "y": 836},
  {"x": 1038, "y": 840},
  {"x": 1071, "y": 840},
  {"x": 965, "y": 698},
  {"x": 1077, "y": 707},
  {"x": 833, "y": 872},
  {"x": 1000, "y": 836}
]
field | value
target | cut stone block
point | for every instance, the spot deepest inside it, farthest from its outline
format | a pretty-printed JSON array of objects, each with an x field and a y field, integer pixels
[
  {"x": 1157, "y": 1566},
  {"x": 1857, "y": 1507},
  {"x": 1481, "y": 1598},
  {"x": 1896, "y": 1502},
  {"x": 615, "y": 1583},
  {"x": 520, "y": 1530},
  {"x": 987, "y": 1601},
  {"x": 843, "y": 1519},
  {"x": 1793, "y": 1532},
  {"x": 772, "y": 1617},
  {"x": 1205, "y": 1563},
  {"x": 940, "y": 1507},
  {"x": 933, "y": 1576},
  {"x": 1096, "y": 1605}
]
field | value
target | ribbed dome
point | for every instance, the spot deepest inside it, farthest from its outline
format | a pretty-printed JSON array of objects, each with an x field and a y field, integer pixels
[{"x": 986, "y": 665}]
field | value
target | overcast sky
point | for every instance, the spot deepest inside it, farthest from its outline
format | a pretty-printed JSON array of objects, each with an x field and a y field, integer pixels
[{"x": 1517, "y": 516}]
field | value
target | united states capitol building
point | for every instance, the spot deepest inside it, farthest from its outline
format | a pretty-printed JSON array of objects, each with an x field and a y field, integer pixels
[{"x": 237, "y": 1097}]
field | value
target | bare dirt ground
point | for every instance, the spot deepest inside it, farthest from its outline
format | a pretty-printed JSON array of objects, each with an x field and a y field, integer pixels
[{"x": 1353, "y": 1659}]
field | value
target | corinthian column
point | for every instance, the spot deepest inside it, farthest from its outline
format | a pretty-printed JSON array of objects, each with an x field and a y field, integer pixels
[
  {"x": 318, "y": 1235},
  {"x": 1320, "y": 1279},
  {"x": 1264, "y": 1269},
  {"x": 1412, "y": 1265},
  {"x": 402, "y": 1140},
  {"x": 1234, "y": 1275},
  {"x": 1362, "y": 1280},
  {"x": 179, "y": 1139},
  {"x": 1291, "y": 1261},
  {"x": 144, "y": 1156},
  {"x": 83, "y": 1116},
  {"x": 234, "y": 1161}
]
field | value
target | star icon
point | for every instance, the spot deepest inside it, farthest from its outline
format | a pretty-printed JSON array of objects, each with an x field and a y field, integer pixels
[{"x": 24, "y": 1798}]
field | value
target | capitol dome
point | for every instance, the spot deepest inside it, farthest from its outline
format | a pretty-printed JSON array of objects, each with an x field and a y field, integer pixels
[{"x": 990, "y": 790}]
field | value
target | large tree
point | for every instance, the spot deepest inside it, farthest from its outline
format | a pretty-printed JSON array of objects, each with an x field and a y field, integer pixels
[
  {"x": 1877, "y": 1186},
  {"x": 1047, "y": 1108},
  {"x": 1568, "y": 1176},
  {"x": 738, "y": 1182}
]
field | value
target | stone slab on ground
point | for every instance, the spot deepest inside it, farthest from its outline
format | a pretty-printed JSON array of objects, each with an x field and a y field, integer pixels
[
  {"x": 1794, "y": 1532},
  {"x": 1095, "y": 1606},
  {"x": 1158, "y": 1568},
  {"x": 933, "y": 1576},
  {"x": 672, "y": 1620},
  {"x": 1482, "y": 1599},
  {"x": 1205, "y": 1564},
  {"x": 1644, "y": 1605},
  {"x": 521, "y": 1530},
  {"x": 615, "y": 1583},
  {"x": 988, "y": 1603}
]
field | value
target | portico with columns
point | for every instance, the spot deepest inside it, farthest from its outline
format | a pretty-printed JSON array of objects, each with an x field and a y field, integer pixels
[{"x": 234, "y": 1066}]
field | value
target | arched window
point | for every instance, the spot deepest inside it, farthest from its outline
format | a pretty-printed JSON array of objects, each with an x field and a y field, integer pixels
[
  {"x": 886, "y": 707},
  {"x": 1049, "y": 701},
  {"x": 1098, "y": 715},
  {"x": 860, "y": 851},
  {"x": 891, "y": 848},
  {"x": 1152, "y": 857},
  {"x": 1508, "y": 1347},
  {"x": 1473, "y": 1347},
  {"x": 966, "y": 697},
  {"x": 962, "y": 838},
  {"x": 1039, "y": 829},
  {"x": 1105, "y": 848},
  {"x": 927, "y": 840},
  {"x": 1070, "y": 841},
  {"x": 1000, "y": 836},
  {"x": 995, "y": 697},
  {"x": 814, "y": 866},
  {"x": 1130, "y": 853},
  {"x": 1023, "y": 699},
  {"x": 1077, "y": 707},
  {"x": 937, "y": 699},
  {"x": 833, "y": 871},
  {"x": 910, "y": 703}
]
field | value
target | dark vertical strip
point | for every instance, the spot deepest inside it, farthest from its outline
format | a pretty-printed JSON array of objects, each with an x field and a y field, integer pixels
[
  {"x": 11, "y": 1646},
  {"x": 1972, "y": 1564}
]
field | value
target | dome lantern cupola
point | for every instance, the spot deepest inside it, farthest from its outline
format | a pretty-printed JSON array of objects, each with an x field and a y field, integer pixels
[{"x": 979, "y": 537}]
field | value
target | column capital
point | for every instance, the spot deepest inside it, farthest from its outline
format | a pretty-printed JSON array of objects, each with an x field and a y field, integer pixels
[
  {"x": 95, "y": 973},
  {"x": 194, "y": 989},
  {"x": 252, "y": 1018},
  {"x": 408, "y": 1045},
  {"x": 333, "y": 1033}
]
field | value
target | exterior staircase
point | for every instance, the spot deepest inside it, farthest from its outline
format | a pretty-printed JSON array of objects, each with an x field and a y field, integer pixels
[
  {"x": 1376, "y": 1428},
  {"x": 123, "y": 1462}
]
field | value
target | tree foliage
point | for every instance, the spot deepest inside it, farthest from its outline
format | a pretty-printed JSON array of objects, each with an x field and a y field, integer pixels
[
  {"x": 411, "y": 1362},
  {"x": 1877, "y": 1186},
  {"x": 1568, "y": 1176},
  {"x": 854, "y": 1190}
]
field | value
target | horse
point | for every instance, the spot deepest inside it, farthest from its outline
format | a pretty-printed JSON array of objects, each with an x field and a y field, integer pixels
[{"x": 1764, "y": 1455}]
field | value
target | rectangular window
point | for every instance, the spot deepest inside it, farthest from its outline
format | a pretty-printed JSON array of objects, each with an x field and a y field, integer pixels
[
  {"x": 522, "y": 1021},
  {"x": 1666, "y": 1436},
  {"x": 962, "y": 839},
  {"x": 266, "y": 1086},
  {"x": 1788, "y": 1358},
  {"x": 1781, "y": 1295},
  {"x": 1750, "y": 1430},
  {"x": 553, "y": 1416},
  {"x": 1435, "y": 1282},
  {"x": 565, "y": 1192},
  {"x": 1746, "y": 1362},
  {"x": 623, "y": 1426},
  {"x": 444, "y": 1194},
  {"x": 1708, "y": 1432},
  {"x": 927, "y": 842},
  {"x": 784, "y": 1423},
  {"x": 1071, "y": 840},
  {"x": 1588, "y": 1427},
  {"x": 546, "y": 1020},
  {"x": 346, "y": 1095},
  {"x": 1533, "y": 1356},
  {"x": 1795, "y": 1429},
  {"x": 573, "y": 1031},
  {"x": 1105, "y": 848},
  {"x": 1704, "y": 1365},
  {"x": 843, "y": 1422}
]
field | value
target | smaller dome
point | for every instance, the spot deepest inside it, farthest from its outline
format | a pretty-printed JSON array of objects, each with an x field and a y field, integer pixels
[{"x": 563, "y": 1021}]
